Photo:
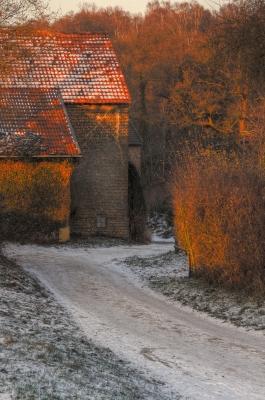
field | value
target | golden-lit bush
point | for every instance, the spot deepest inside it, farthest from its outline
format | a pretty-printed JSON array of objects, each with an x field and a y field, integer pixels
[
  {"x": 34, "y": 195},
  {"x": 219, "y": 209}
]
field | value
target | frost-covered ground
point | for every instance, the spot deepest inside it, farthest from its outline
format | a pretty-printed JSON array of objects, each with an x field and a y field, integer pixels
[
  {"x": 45, "y": 355},
  {"x": 167, "y": 273},
  {"x": 109, "y": 292},
  {"x": 161, "y": 228}
]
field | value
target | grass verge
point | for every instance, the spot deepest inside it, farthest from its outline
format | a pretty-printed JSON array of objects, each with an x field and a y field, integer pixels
[{"x": 168, "y": 274}]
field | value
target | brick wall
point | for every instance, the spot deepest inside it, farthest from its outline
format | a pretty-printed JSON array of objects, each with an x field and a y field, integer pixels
[{"x": 99, "y": 185}]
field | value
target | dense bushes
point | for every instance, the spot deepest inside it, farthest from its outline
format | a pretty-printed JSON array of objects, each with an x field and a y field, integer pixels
[
  {"x": 219, "y": 207},
  {"x": 35, "y": 198}
]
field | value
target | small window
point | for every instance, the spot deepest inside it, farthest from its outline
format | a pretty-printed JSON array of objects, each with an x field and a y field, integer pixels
[{"x": 101, "y": 222}]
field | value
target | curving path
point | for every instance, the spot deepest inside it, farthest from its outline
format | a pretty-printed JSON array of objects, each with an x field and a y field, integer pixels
[{"x": 194, "y": 355}]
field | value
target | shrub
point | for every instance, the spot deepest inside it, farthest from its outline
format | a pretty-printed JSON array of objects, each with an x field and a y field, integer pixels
[
  {"x": 219, "y": 211},
  {"x": 35, "y": 196}
]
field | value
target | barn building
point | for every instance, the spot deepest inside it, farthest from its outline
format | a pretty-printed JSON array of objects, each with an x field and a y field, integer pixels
[{"x": 78, "y": 76}]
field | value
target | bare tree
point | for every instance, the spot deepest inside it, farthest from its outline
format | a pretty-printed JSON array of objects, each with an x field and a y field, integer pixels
[
  {"x": 16, "y": 20},
  {"x": 16, "y": 12}
]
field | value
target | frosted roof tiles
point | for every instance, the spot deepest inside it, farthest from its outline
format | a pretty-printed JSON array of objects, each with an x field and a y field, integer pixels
[
  {"x": 83, "y": 66},
  {"x": 39, "y": 113}
]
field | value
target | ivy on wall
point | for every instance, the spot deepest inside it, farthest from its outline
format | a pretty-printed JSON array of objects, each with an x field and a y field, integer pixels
[{"x": 36, "y": 191}]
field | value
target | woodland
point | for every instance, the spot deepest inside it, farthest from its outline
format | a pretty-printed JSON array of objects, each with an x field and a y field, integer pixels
[
  {"x": 197, "y": 82},
  {"x": 195, "y": 75}
]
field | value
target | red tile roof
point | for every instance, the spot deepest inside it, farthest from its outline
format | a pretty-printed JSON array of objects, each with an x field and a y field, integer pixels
[
  {"x": 83, "y": 66},
  {"x": 35, "y": 121}
]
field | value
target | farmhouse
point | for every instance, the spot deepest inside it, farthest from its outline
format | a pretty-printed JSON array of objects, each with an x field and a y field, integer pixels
[{"x": 69, "y": 94}]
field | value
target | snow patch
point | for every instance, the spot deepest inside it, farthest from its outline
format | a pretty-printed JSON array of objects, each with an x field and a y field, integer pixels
[
  {"x": 162, "y": 231},
  {"x": 5, "y": 396}
]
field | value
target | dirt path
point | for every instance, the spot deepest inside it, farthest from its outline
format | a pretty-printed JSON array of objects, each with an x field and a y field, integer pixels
[{"x": 194, "y": 355}]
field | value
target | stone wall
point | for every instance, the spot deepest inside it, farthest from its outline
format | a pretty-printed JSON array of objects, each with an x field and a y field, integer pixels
[
  {"x": 99, "y": 185},
  {"x": 135, "y": 157}
]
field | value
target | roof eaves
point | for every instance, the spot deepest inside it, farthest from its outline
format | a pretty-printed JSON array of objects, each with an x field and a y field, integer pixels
[
  {"x": 45, "y": 156},
  {"x": 99, "y": 101},
  {"x": 58, "y": 156}
]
